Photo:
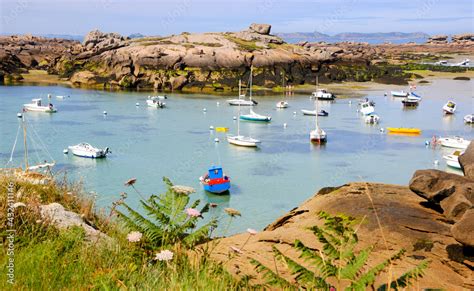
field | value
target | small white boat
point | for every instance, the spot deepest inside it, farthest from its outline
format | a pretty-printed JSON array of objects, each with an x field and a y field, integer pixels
[
  {"x": 441, "y": 63},
  {"x": 156, "y": 101},
  {"x": 313, "y": 112},
  {"x": 367, "y": 108},
  {"x": 282, "y": 105},
  {"x": 449, "y": 108},
  {"x": 60, "y": 97},
  {"x": 469, "y": 118},
  {"x": 244, "y": 141},
  {"x": 252, "y": 116},
  {"x": 452, "y": 160},
  {"x": 464, "y": 63},
  {"x": 372, "y": 119},
  {"x": 399, "y": 93},
  {"x": 85, "y": 150},
  {"x": 241, "y": 100},
  {"x": 36, "y": 105},
  {"x": 454, "y": 142},
  {"x": 322, "y": 94}
]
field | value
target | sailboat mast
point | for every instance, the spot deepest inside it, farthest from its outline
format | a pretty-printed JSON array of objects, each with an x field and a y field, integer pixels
[
  {"x": 240, "y": 88},
  {"x": 251, "y": 73},
  {"x": 24, "y": 142}
]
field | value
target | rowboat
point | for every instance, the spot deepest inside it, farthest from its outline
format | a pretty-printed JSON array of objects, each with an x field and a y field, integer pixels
[
  {"x": 215, "y": 181},
  {"x": 454, "y": 142},
  {"x": 404, "y": 130},
  {"x": 452, "y": 160},
  {"x": 449, "y": 108},
  {"x": 85, "y": 150},
  {"x": 282, "y": 105},
  {"x": 37, "y": 106},
  {"x": 313, "y": 112}
]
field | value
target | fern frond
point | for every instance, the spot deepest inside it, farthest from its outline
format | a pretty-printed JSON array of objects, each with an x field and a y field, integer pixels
[
  {"x": 405, "y": 280},
  {"x": 353, "y": 267},
  {"x": 271, "y": 277},
  {"x": 324, "y": 266},
  {"x": 200, "y": 235}
]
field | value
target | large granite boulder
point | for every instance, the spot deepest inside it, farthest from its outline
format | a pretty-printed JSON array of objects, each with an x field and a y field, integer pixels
[
  {"x": 467, "y": 161},
  {"x": 463, "y": 230},
  {"x": 463, "y": 38},
  {"x": 438, "y": 39},
  {"x": 405, "y": 223},
  {"x": 453, "y": 193},
  {"x": 260, "y": 28}
]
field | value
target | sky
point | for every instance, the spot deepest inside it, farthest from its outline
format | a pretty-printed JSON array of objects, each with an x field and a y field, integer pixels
[{"x": 77, "y": 17}]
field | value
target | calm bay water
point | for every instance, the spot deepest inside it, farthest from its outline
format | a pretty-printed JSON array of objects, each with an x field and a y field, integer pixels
[{"x": 267, "y": 182}]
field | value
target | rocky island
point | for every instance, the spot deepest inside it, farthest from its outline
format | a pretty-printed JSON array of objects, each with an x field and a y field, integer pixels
[{"x": 215, "y": 61}]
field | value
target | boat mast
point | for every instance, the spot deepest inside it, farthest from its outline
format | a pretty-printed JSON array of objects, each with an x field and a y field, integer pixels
[
  {"x": 24, "y": 142},
  {"x": 316, "y": 103},
  {"x": 251, "y": 69},
  {"x": 240, "y": 88}
]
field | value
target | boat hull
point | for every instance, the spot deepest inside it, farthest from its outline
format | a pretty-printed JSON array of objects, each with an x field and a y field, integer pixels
[
  {"x": 404, "y": 130},
  {"x": 45, "y": 109},
  {"x": 242, "y": 141},
  {"x": 399, "y": 94},
  {"x": 217, "y": 188},
  {"x": 240, "y": 102},
  {"x": 454, "y": 143},
  {"x": 255, "y": 118}
]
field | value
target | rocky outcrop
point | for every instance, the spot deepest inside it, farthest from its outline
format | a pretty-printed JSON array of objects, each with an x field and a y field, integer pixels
[
  {"x": 438, "y": 39},
  {"x": 467, "y": 162},
  {"x": 463, "y": 230},
  {"x": 260, "y": 28},
  {"x": 61, "y": 218},
  {"x": 464, "y": 38},
  {"x": 404, "y": 223}
]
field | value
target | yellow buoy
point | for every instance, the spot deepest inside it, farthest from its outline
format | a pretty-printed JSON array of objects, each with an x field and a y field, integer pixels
[{"x": 222, "y": 129}]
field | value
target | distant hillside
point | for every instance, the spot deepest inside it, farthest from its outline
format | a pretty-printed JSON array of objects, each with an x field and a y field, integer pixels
[{"x": 373, "y": 38}]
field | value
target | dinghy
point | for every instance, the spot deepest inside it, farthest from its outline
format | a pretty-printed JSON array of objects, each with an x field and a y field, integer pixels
[
  {"x": 37, "y": 106},
  {"x": 215, "y": 181},
  {"x": 156, "y": 101},
  {"x": 469, "y": 119},
  {"x": 449, "y": 108},
  {"x": 85, "y": 150},
  {"x": 405, "y": 130},
  {"x": 313, "y": 112},
  {"x": 399, "y": 93},
  {"x": 454, "y": 142},
  {"x": 282, "y": 105},
  {"x": 367, "y": 108},
  {"x": 372, "y": 119},
  {"x": 452, "y": 160}
]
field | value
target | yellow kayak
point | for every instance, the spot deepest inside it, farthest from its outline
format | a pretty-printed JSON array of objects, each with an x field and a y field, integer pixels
[
  {"x": 404, "y": 130},
  {"x": 222, "y": 129}
]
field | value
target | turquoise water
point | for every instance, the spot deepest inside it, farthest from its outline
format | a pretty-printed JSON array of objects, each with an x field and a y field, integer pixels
[{"x": 267, "y": 182}]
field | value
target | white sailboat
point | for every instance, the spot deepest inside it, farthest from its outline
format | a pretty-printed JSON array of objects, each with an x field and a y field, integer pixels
[
  {"x": 252, "y": 116},
  {"x": 317, "y": 135},
  {"x": 241, "y": 100},
  {"x": 240, "y": 140}
]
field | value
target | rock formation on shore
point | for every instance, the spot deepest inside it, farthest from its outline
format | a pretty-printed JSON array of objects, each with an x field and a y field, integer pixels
[
  {"x": 433, "y": 224},
  {"x": 206, "y": 60}
]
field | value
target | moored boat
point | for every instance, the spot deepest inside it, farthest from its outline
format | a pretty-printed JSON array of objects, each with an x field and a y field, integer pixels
[
  {"x": 452, "y": 160},
  {"x": 372, "y": 119},
  {"x": 282, "y": 105},
  {"x": 469, "y": 119},
  {"x": 252, "y": 116},
  {"x": 85, "y": 150},
  {"x": 241, "y": 100},
  {"x": 404, "y": 130},
  {"x": 244, "y": 141},
  {"x": 450, "y": 107},
  {"x": 156, "y": 101},
  {"x": 313, "y": 112},
  {"x": 454, "y": 142},
  {"x": 367, "y": 108},
  {"x": 399, "y": 93},
  {"x": 215, "y": 181},
  {"x": 321, "y": 94},
  {"x": 37, "y": 106}
]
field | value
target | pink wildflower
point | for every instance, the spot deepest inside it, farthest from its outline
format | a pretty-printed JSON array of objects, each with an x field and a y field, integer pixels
[{"x": 193, "y": 212}]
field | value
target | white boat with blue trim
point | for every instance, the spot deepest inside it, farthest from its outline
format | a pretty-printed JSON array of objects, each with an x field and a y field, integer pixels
[{"x": 85, "y": 150}]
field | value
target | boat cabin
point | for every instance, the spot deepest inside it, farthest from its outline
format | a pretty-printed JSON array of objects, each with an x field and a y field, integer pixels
[{"x": 37, "y": 102}]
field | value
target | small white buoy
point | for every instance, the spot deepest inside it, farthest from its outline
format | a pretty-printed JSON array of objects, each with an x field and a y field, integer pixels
[
  {"x": 382, "y": 129},
  {"x": 105, "y": 112},
  {"x": 350, "y": 102},
  {"x": 234, "y": 118},
  {"x": 436, "y": 162},
  {"x": 218, "y": 103},
  {"x": 137, "y": 104},
  {"x": 385, "y": 94},
  {"x": 211, "y": 127},
  {"x": 204, "y": 109},
  {"x": 216, "y": 140},
  {"x": 65, "y": 151},
  {"x": 294, "y": 112},
  {"x": 19, "y": 115},
  {"x": 284, "y": 125},
  {"x": 427, "y": 142}
]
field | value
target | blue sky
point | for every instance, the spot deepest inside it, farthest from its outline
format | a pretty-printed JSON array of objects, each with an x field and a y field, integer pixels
[{"x": 166, "y": 17}]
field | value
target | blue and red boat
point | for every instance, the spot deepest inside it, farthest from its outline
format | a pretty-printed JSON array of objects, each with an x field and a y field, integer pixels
[{"x": 215, "y": 181}]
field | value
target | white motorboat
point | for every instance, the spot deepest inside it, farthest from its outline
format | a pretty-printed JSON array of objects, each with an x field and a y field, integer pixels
[
  {"x": 399, "y": 93},
  {"x": 464, "y": 63},
  {"x": 241, "y": 100},
  {"x": 282, "y": 105},
  {"x": 156, "y": 101},
  {"x": 452, "y": 160},
  {"x": 85, "y": 150},
  {"x": 372, "y": 119},
  {"x": 37, "y": 106},
  {"x": 469, "y": 118},
  {"x": 313, "y": 112},
  {"x": 454, "y": 142},
  {"x": 441, "y": 63},
  {"x": 449, "y": 108},
  {"x": 367, "y": 108},
  {"x": 321, "y": 94}
]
